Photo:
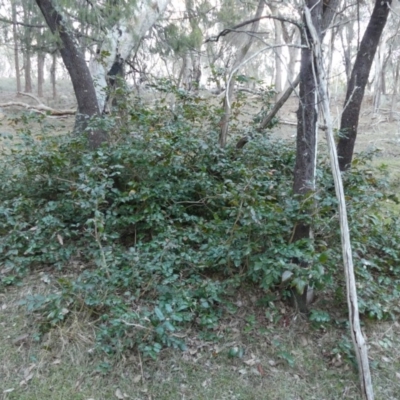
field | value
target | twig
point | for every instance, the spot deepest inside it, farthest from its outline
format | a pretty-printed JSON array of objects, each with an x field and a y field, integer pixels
[
  {"x": 8, "y": 21},
  {"x": 135, "y": 325}
]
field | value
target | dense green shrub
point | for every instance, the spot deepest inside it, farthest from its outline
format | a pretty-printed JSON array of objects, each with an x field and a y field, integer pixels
[{"x": 153, "y": 230}]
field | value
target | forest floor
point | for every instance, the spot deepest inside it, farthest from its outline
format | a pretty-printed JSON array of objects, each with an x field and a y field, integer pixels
[{"x": 288, "y": 359}]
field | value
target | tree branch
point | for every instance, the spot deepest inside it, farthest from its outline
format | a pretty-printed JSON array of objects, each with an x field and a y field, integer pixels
[
  {"x": 250, "y": 21},
  {"x": 282, "y": 100},
  {"x": 8, "y": 21}
]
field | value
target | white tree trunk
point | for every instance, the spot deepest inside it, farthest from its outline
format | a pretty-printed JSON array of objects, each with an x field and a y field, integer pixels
[
  {"x": 278, "y": 54},
  {"x": 239, "y": 58},
  {"x": 41, "y": 57},
  {"x": 394, "y": 95},
  {"x": 380, "y": 54},
  {"x": 16, "y": 49},
  {"x": 53, "y": 75},
  {"x": 293, "y": 56},
  {"x": 122, "y": 40}
]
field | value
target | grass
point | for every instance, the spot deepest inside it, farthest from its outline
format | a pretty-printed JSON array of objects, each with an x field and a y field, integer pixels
[{"x": 288, "y": 359}]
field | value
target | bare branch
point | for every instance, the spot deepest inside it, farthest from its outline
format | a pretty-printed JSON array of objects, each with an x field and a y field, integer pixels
[
  {"x": 8, "y": 21},
  {"x": 282, "y": 100},
  {"x": 250, "y": 21},
  {"x": 31, "y": 96},
  {"x": 233, "y": 72}
]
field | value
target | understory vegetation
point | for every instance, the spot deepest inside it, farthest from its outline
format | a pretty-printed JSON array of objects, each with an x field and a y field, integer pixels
[{"x": 158, "y": 230}]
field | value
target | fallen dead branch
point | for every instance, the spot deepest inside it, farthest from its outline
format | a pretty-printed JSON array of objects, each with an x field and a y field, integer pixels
[{"x": 39, "y": 108}]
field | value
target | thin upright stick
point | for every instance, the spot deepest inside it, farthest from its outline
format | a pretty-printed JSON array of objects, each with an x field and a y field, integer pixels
[{"x": 357, "y": 336}]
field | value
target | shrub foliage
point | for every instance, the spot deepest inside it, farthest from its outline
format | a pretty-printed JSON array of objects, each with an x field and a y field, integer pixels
[{"x": 151, "y": 232}]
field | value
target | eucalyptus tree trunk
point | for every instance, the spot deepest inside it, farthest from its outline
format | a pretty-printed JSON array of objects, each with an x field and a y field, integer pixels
[
  {"x": 53, "y": 68},
  {"x": 27, "y": 48},
  {"x": 75, "y": 63},
  {"x": 395, "y": 90},
  {"x": 321, "y": 15},
  {"x": 27, "y": 69},
  {"x": 307, "y": 128},
  {"x": 16, "y": 48},
  {"x": 383, "y": 74},
  {"x": 291, "y": 36},
  {"x": 40, "y": 74},
  {"x": 379, "y": 73},
  {"x": 182, "y": 77},
  {"x": 346, "y": 33},
  {"x": 121, "y": 41},
  {"x": 277, "y": 53},
  {"x": 240, "y": 55},
  {"x": 332, "y": 40},
  {"x": 358, "y": 81},
  {"x": 195, "y": 51},
  {"x": 196, "y": 66}
]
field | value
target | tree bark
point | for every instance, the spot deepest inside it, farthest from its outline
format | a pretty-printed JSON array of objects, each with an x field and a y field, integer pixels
[
  {"x": 40, "y": 76},
  {"x": 121, "y": 41},
  {"x": 27, "y": 49},
  {"x": 115, "y": 78},
  {"x": 277, "y": 53},
  {"x": 394, "y": 94},
  {"x": 307, "y": 128},
  {"x": 78, "y": 70},
  {"x": 379, "y": 73},
  {"x": 194, "y": 52},
  {"x": 346, "y": 57},
  {"x": 182, "y": 77},
  {"x": 53, "y": 75},
  {"x": 196, "y": 65},
  {"x": 290, "y": 36},
  {"x": 16, "y": 49},
  {"x": 331, "y": 52},
  {"x": 27, "y": 69},
  {"x": 358, "y": 81},
  {"x": 307, "y": 123}
]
